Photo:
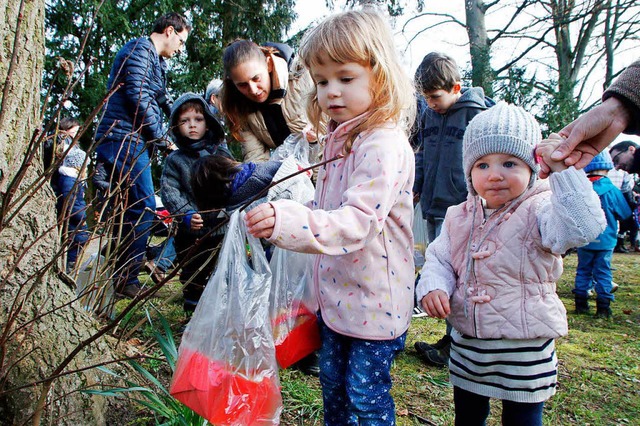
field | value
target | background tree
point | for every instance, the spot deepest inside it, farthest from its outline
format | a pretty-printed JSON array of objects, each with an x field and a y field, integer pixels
[
  {"x": 555, "y": 48},
  {"x": 108, "y": 24},
  {"x": 393, "y": 7}
]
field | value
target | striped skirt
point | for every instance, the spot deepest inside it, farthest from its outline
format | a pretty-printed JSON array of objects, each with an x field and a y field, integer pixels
[{"x": 515, "y": 370}]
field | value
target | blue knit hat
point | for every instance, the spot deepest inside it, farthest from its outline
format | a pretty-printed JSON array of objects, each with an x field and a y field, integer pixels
[{"x": 601, "y": 161}]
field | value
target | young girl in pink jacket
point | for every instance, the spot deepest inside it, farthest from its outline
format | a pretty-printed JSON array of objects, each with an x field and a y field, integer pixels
[
  {"x": 359, "y": 224},
  {"x": 492, "y": 271}
]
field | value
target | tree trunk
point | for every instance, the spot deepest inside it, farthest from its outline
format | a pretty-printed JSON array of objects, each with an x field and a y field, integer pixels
[
  {"x": 35, "y": 336},
  {"x": 480, "y": 50}
]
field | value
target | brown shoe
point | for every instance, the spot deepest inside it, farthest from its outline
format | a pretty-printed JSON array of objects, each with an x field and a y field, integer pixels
[
  {"x": 156, "y": 275},
  {"x": 130, "y": 291}
]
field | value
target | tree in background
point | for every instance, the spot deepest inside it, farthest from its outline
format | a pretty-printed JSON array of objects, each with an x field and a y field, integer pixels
[
  {"x": 556, "y": 48},
  {"x": 104, "y": 26}
]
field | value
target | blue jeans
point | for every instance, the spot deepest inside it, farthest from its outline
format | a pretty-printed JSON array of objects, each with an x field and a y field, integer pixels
[
  {"x": 473, "y": 409},
  {"x": 166, "y": 255},
  {"x": 594, "y": 266},
  {"x": 355, "y": 375},
  {"x": 129, "y": 166},
  {"x": 434, "y": 226},
  {"x": 72, "y": 211}
]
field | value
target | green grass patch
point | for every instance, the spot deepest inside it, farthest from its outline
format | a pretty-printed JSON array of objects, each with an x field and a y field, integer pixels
[{"x": 599, "y": 373}]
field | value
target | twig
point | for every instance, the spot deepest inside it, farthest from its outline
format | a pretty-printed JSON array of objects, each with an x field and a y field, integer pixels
[
  {"x": 79, "y": 370},
  {"x": 272, "y": 184}
]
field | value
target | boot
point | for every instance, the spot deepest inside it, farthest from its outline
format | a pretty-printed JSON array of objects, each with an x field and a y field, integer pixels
[
  {"x": 431, "y": 355},
  {"x": 424, "y": 346},
  {"x": 620, "y": 248},
  {"x": 582, "y": 305},
  {"x": 602, "y": 309},
  {"x": 309, "y": 365}
]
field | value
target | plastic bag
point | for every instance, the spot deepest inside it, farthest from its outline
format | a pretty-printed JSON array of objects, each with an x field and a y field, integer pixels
[
  {"x": 294, "y": 145},
  {"x": 293, "y": 307},
  {"x": 298, "y": 188},
  {"x": 226, "y": 369},
  {"x": 420, "y": 236},
  {"x": 94, "y": 287}
]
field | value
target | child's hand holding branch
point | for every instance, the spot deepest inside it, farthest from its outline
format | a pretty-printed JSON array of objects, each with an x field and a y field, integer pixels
[{"x": 261, "y": 220}]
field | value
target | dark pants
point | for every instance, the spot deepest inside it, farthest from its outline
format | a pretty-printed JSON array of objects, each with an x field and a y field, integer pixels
[
  {"x": 355, "y": 375},
  {"x": 197, "y": 265},
  {"x": 129, "y": 168},
  {"x": 72, "y": 212},
  {"x": 473, "y": 409}
]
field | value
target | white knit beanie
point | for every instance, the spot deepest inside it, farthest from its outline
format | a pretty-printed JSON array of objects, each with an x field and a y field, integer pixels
[{"x": 502, "y": 129}]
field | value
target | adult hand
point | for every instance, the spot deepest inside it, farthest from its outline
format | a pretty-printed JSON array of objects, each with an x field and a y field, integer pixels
[
  {"x": 592, "y": 132},
  {"x": 436, "y": 304},
  {"x": 261, "y": 220}
]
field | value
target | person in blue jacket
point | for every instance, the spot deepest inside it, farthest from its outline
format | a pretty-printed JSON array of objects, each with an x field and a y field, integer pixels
[
  {"x": 594, "y": 259},
  {"x": 129, "y": 130}
]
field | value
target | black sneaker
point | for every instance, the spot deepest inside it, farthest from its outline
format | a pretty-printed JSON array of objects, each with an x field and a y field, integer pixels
[
  {"x": 444, "y": 341},
  {"x": 309, "y": 365},
  {"x": 418, "y": 313},
  {"x": 432, "y": 356}
]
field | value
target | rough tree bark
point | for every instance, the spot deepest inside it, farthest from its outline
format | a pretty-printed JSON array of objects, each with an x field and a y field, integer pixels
[{"x": 34, "y": 335}]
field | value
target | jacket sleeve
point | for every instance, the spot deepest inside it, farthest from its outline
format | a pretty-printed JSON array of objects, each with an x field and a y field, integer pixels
[
  {"x": 172, "y": 194},
  {"x": 141, "y": 92},
  {"x": 380, "y": 166},
  {"x": 437, "y": 272},
  {"x": 573, "y": 216},
  {"x": 253, "y": 149},
  {"x": 627, "y": 88},
  {"x": 622, "y": 210}
]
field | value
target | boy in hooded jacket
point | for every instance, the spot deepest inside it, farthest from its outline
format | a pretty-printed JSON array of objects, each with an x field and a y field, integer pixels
[
  {"x": 440, "y": 181},
  {"x": 197, "y": 133}
]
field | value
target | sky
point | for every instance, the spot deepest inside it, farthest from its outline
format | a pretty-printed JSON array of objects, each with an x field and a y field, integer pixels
[{"x": 450, "y": 39}]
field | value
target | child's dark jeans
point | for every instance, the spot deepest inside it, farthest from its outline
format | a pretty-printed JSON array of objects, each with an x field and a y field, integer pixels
[
  {"x": 197, "y": 264},
  {"x": 473, "y": 409},
  {"x": 355, "y": 375}
]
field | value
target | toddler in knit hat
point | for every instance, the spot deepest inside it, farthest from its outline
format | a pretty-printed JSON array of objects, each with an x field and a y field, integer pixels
[
  {"x": 492, "y": 270},
  {"x": 504, "y": 134}
]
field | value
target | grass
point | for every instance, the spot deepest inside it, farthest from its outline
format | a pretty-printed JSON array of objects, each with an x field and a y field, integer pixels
[{"x": 599, "y": 373}]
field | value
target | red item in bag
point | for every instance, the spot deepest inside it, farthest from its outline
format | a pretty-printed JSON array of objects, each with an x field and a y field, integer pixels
[
  {"x": 302, "y": 340},
  {"x": 221, "y": 395}
]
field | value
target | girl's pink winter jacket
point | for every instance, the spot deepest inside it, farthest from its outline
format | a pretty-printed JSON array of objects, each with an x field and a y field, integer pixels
[{"x": 359, "y": 224}]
